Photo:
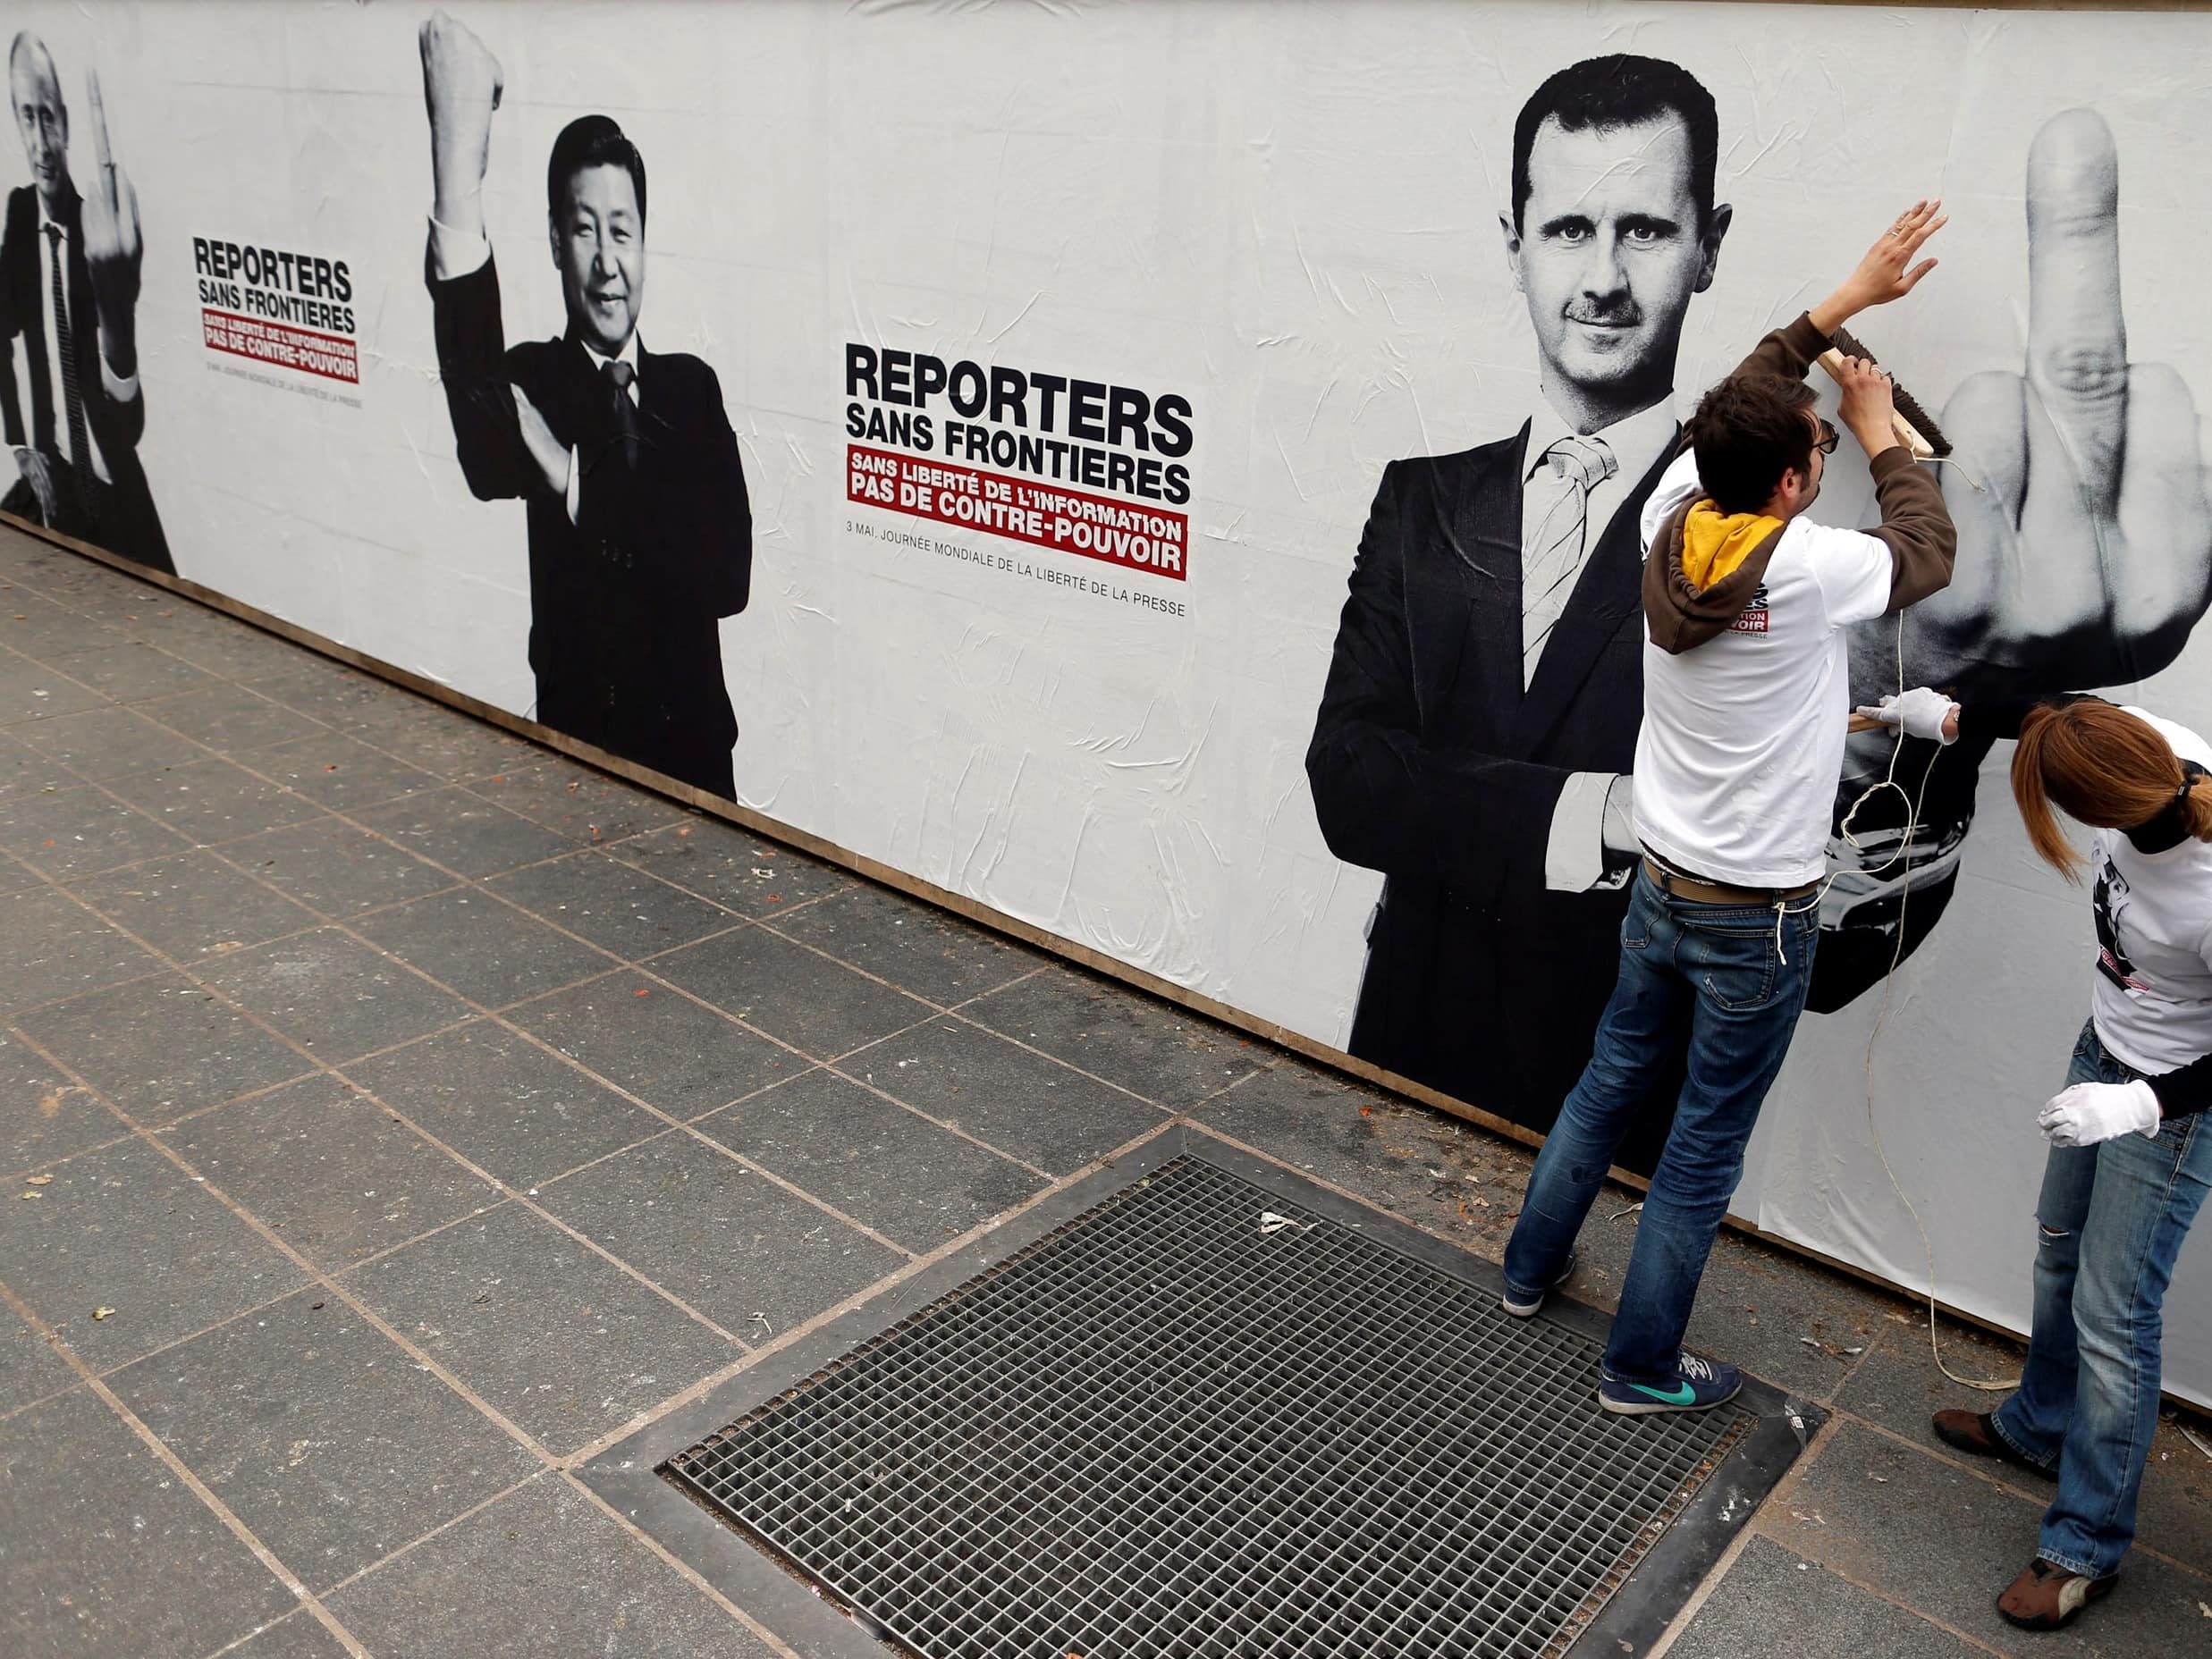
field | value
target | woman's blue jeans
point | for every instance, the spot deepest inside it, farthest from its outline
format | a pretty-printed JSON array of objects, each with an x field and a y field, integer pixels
[
  {"x": 1726, "y": 982},
  {"x": 2112, "y": 1218}
]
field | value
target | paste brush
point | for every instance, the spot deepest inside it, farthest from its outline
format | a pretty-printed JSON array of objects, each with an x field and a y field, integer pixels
[{"x": 1916, "y": 429}]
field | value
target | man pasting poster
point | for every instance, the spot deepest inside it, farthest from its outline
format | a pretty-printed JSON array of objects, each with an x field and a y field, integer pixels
[{"x": 640, "y": 533}]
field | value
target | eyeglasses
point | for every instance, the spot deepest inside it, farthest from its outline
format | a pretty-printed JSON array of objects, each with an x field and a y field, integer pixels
[{"x": 1829, "y": 439}]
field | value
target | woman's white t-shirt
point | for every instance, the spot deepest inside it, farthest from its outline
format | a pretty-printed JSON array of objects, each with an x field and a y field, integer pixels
[{"x": 2151, "y": 993}]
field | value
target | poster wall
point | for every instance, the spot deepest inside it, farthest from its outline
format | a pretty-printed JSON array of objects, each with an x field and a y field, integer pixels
[{"x": 1039, "y": 450}]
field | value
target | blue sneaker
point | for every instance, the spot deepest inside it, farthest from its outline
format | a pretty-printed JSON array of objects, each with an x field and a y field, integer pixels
[
  {"x": 1523, "y": 1304},
  {"x": 1698, "y": 1386}
]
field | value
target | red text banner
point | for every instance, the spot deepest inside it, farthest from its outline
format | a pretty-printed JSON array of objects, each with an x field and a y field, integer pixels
[
  {"x": 330, "y": 356},
  {"x": 1068, "y": 521}
]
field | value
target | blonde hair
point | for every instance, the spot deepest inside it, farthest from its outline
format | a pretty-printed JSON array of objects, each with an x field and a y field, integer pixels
[{"x": 2101, "y": 766}]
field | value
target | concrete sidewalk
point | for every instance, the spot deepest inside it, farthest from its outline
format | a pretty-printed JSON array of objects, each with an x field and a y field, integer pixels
[{"x": 394, "y": 1111}]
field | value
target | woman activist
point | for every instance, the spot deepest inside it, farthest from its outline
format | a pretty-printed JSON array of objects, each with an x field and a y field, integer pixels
[{"x": 2129, "y": 1157}]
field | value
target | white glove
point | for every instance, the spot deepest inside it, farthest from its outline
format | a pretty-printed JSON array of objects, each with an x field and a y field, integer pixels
[
  {"x": 1920, "y": 711},
  {"x": 2088, "y": 1113}
]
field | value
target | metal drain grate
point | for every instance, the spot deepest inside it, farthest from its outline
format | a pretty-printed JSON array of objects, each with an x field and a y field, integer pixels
[{"x": 1178, "y": 1426}]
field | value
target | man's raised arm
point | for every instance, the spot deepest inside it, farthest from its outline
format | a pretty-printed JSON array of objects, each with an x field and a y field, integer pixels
[{"x": 460, "y": 87}]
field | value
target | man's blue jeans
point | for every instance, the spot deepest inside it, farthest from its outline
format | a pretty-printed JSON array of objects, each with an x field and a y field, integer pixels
[
  {"x": 2111, "y": 1220},
  {"x": 1728, "y": 982}
]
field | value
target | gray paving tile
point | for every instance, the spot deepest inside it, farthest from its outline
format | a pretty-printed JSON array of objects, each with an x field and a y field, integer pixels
[
  {"x": 1034, "y": 1108},
  {"x": 213, "y": 801},
  {"x": 331, "y": 692},
  {"x": 875, "y": 1162},
  {"x": 336, "y": 996},
  {"x": 1779, "y": 1318},
  {"x": 341, "y": 772},
  {"x": 658, "y": 1044},
  {"x": 543, "y": 1572},
  {"x": 335, "y": 868},
  {"x": 1769, "y": 1590},
  {"x": 485, "y": 950},
  {"x": 574, "y": 801},
  {"x": 128, "y": 671},
  {"x": 38, "y": 628},
  {"x": 463, "y": 832},
  {"x": 726, "y": 1239},
  {"x": 1899, "y": 1387},
  {"x": 330, "y": 1171},
  {"x": 1946, "y": 1542},
  {"x": 193, "y": 904},
  {"x": 160, "y": 1046},
  {"x": 321, "y": 1435},
  {"x": 612, "y": 904},
  {"x": 43, "y": 1115},
  {"x": 817, "y": 1005},
  {"x": 223, "y": 646},
  {"x": 106, "y": 742},
  {"x": 80, "y": 832},
  {"x": 297, "y": 1636},
  {"x": 30, "y": 1368},
  {"x": 750, "y": 874},
  {"x": 124, "y": 1228},
  {"x": 452, "y": 745},
  {"x": 554, "y": 1337},
  {"x": 504, "y": 1103},
  {"x": 230, "y": 718},
  {"x": 905, "y": 941},
  {"x": 22, "y": 767},
  {"x": 1165, "y": 1055},
  {"x": 105, "y": 1553},
  {"x": 57, "y": 948},
  {"x": 33, "y": 691}
]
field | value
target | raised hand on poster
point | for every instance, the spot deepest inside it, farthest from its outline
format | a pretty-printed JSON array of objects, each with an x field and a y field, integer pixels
[
  {"x": 2087, "y": 558},
  {"x": 31, "y": 464},
  {"x": 113, "y": 248},
  {"x": 461, "y": 85},
  {"x": 546, "y": 451}
]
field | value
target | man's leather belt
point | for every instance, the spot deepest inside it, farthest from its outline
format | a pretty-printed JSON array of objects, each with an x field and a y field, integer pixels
[{"x": 1676, "y": 885}]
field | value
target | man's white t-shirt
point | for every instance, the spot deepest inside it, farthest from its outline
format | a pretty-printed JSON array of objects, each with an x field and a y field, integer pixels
[
  {"x": 1743, "y": 738},
  {"x": 2152, "y": 989}
]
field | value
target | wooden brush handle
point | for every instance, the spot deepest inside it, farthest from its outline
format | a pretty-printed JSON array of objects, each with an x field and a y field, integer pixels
[
  {"x": 1907, "y": 432},
  {"x": 1864, "y": 723}
]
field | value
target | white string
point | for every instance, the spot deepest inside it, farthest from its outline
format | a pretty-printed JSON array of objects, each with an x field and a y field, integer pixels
[{"x": 1896, "y": 956}]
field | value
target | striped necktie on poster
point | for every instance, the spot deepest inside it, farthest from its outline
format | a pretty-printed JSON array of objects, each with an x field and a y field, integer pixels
[
  {"x": 65, "y": 348},
  {"x": 1553, "y": 556}
]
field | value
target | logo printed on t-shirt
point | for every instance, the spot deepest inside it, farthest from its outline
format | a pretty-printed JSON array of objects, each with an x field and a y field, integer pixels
[
  {"x": 1753, "y": 617},
  {"x": 2109, "y": 900}
]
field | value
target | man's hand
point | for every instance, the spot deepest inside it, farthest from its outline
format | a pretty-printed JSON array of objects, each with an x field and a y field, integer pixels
[
  {"x": 113, "y": 248},
  {"x": 1868, "y": 407},
  {"x": 2087, "y": 558},
  {"x": 2088, "y": 1113},
  {"x": 32, "y": 465},
  {"x": 1887, "y": 272},
  {"x": 547, "y": 450},
  {"x": 461, "y": 85}
]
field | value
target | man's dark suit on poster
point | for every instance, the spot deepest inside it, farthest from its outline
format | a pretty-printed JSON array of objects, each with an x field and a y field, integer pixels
[
  {"x": 116, "y": 513},
  {"x": 1431, "y": 763},
  {"x": 624, "y": 601}
]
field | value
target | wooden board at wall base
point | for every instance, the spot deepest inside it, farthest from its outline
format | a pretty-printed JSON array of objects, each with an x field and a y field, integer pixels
[{"x": 943, "y": 898}]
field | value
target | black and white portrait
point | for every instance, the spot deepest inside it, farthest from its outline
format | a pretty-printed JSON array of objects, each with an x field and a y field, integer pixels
[
  {"x": 640, "y": 534},
  {"x": 1476, "y": 736},
  {"x": 70, "y": 258}
]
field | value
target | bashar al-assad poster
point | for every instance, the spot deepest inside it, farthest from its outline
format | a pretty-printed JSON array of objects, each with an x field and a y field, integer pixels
[{"x": 1475, "y": 739}]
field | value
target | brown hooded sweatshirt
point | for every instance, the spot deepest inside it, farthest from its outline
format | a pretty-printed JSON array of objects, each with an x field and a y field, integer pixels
[{"x": 1916, "y": 526}]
